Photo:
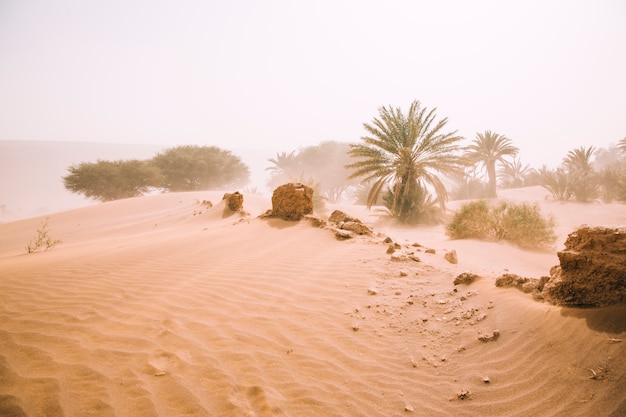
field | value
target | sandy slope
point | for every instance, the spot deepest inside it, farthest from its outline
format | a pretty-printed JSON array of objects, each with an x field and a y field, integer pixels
[{"x": 158, "y": 306}]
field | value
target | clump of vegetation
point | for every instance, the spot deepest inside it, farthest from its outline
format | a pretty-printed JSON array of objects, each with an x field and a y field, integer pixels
[
  {"x": 404, "y": 156},
  {"x": 43, "y": 241},
  {"x": 521, "y": 224},
  {"x": 183, "y": 168}
]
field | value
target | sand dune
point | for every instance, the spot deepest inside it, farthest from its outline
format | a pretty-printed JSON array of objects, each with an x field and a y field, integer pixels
[{"x": 159, "y": 306}]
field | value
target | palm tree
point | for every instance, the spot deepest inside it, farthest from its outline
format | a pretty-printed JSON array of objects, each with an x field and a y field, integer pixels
[
  {"x": 556, "y": 181},
  {"x": 579, "y": 160},
  {"x": 406, "y": 153},
  {"x": 514, "y": 174},
  {"x": 489, "y": 148},
  {"x": 583, "y": 178},
  {"x": 286, "y": 167}
]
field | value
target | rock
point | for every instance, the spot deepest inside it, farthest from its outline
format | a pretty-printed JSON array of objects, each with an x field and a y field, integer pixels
[
  {"x": 392, "y": 248},
  {"x": 343, "y": 221},
  {"x": 388, "y": 240},
  {"x": 465, "y": 278},
  {"x": 484, "y": 337},
  {"x": 431, "y": 251},
  {"x": 315, "y": 221},
  {"x": 234, "y": 202},
  {"x": 339, "y": 216},
  {"x": 592, "y": 270},
  {"x": 343, "y": 234},
  {"x": 292, "y": 201},
  {"x": 533, "y": 286},
  {"x": 356, "y": 227},
  {"x": 451, "y": 257}
]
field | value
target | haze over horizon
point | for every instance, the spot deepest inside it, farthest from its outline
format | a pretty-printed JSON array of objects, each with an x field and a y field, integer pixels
[{"x": 284, "y": 75}]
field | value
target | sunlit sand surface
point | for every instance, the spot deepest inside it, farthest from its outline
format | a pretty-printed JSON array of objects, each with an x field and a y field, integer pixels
[{"x": 159, "y": 306}]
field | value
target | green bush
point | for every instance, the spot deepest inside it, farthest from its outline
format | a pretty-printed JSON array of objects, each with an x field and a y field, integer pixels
[
  {"x": 472, "y": 221},
  {"x": 521, "y": 224}
]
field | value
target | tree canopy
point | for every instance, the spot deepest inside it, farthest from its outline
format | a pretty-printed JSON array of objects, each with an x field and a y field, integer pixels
[
  {"x": 111, "y": 180},
  {"x": 184, "y": 168},
  {"x": 191, "y": 167}
]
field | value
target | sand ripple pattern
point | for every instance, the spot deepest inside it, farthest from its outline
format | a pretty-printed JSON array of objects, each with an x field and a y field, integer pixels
[{"x": 247, "y": 319}]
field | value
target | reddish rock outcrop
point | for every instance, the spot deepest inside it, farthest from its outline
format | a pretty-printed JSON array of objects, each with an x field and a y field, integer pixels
[
  {"x": 292, "y": 201},
  {"x": 592, "y": 270}
]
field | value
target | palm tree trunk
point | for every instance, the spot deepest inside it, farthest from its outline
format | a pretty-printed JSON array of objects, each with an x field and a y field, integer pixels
[{"x": 491, "y": 173}]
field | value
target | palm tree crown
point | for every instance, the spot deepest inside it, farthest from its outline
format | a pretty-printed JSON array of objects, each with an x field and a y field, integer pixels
[
  {"x": 579, "y": 160},
  {"x": 489, "y": 148},
  {"x": 406, "y": 152}
]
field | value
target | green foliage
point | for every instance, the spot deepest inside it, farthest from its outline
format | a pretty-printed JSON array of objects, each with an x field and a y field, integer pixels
[
  {"x": 406, "y": 154},
  {"x": 488, "y": 149},
  {"x": 324, "y": 163},
  {"x": 111, "y": 180},
  {"x": 416, "y": 208},
  {"x": 521, "y": 224},
  {"x": 471, "y": 221},
  {"x": 191, "y": 167},
  {"x": 43, "y": 241},
  {"x": 557, "y": 182}
]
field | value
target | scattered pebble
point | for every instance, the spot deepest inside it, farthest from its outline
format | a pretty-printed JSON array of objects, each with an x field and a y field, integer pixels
[
  {"x": 486, "y": 379},
  {"x": 463, "y": 395},
  {"x": 408, "y": 408}
]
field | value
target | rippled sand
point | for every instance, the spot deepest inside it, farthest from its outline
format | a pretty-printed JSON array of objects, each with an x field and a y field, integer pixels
[{"x": 158, "y": 306}]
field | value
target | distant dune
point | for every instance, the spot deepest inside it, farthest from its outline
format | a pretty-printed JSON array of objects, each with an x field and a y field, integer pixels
[{"x": 160, "y": 306}]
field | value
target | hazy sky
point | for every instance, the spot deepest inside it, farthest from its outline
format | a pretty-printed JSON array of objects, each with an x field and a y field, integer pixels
[{"x": 550, "y": 75}]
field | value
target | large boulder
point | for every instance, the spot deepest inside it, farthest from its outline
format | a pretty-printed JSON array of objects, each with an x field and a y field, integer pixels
[
  {"x": 292, "y": 201},
  {"x": 592, "y": 270}
]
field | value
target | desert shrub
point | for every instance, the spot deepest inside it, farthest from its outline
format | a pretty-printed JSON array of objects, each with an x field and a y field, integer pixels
[
  {"x": 521, "y": 224},
  {"x": 43, "y": 241},
  {"x": 471, "y": 221}
]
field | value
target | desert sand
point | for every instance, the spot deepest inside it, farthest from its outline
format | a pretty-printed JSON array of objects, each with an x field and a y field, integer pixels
[{"x": 160, "y": 306}]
